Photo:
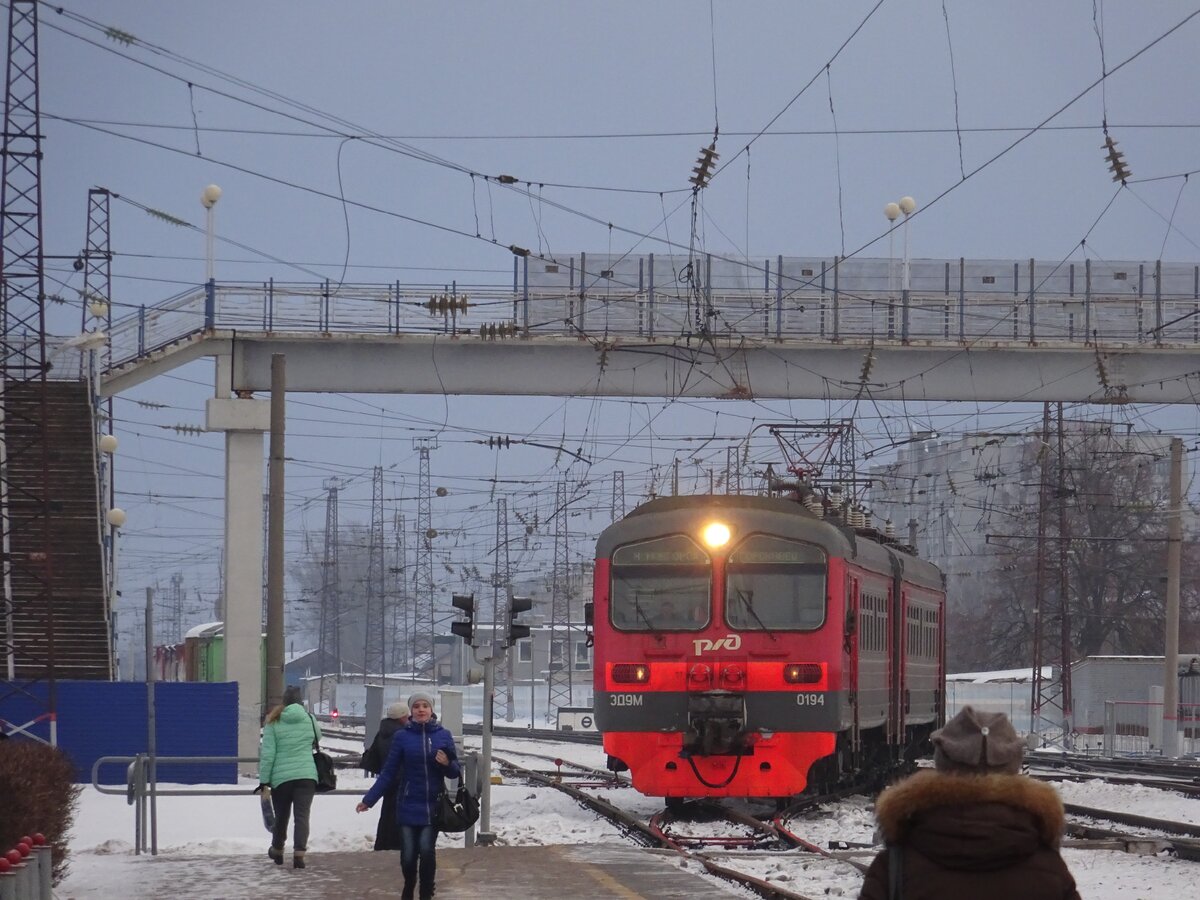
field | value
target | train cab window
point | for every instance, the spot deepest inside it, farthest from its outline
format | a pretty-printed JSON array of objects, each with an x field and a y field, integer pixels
[
  {"x": 662, "y": 584},
  {"x": 772, "y": 583}
]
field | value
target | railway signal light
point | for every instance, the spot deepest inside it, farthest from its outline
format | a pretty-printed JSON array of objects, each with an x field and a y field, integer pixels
[
  {"x": 464, "y": 629},
  {"x": 333, "y": 714},
  {"x": 516, "y": 606}
]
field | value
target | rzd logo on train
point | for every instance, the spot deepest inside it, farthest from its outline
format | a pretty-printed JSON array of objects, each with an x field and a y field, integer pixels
[{"x": 729, "y": 642}]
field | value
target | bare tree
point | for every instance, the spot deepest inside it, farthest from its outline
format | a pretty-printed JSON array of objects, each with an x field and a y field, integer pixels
[{"x": 1115, "y": 492}]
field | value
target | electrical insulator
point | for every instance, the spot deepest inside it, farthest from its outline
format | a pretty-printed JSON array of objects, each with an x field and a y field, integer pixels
[
  {"x": 703, "y": 171},
  {"x": 1116, "y": 160},
  {"x": 462, "y": 302}
]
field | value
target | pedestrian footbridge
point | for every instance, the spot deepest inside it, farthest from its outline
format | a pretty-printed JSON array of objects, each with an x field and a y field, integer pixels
[{"x": 646, "y": 326}]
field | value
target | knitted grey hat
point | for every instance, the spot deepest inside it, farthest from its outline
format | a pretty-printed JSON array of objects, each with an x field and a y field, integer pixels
[
  {"x": 397, "y": 710},
  {"x": 420, "y": 695},
  {"x": 979, "y": 743}
]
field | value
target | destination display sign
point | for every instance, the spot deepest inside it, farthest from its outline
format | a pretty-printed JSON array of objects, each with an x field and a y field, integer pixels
[{"x": 675, "y": 551}]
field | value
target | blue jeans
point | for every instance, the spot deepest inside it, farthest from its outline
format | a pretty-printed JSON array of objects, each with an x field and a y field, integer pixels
[{"x": 417, "y": 842}]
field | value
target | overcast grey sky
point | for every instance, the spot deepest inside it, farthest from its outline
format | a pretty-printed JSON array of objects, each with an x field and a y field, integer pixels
[{"x": 603, "y": 108}]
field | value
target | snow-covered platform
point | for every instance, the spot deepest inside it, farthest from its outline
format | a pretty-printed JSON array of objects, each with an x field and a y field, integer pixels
[{"x": 598, "y": 872}]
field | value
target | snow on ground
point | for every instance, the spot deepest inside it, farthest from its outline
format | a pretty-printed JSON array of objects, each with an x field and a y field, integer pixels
[{"x": 102, "y": 862}]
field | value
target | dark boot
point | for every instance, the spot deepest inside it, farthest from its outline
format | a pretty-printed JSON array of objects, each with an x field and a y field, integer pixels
[
  {"x": 276, "y": 853},
  {"x": 298, "y": 859}
]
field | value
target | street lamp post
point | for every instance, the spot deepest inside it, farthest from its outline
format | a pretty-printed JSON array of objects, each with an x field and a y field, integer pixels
[
  {"x": 907, "y": 206},
  {"x": 892, "y": 211},
  {"x": 208, "y": 199}
]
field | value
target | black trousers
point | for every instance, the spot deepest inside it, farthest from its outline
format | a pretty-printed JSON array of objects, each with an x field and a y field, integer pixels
[{"x": 292, "y": 795}]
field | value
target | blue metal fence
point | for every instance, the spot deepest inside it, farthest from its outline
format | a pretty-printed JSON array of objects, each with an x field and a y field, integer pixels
[{"x": 109, "y": 718}]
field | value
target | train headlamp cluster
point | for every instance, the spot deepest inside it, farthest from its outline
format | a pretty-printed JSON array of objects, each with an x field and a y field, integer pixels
[
  {"x": 802, "y": 673},
  {"x": 715, "y": 535},
  {"x": 630, "y": 673}
]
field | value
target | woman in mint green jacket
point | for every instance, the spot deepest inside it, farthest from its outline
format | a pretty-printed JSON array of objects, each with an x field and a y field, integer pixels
[{"x": 286, "y": 768}]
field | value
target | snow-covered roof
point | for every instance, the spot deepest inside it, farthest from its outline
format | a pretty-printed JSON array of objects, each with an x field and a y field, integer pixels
[
  {"x": 204, "y": 630},
  {"x": 1020, "y": 675}
]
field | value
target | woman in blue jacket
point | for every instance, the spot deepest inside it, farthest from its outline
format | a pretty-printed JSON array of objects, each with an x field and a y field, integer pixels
[{"x": 422, "y": 757}]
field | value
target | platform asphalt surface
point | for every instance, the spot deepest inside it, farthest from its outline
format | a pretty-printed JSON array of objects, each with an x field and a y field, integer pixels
[{"x": 578, "y": 872}]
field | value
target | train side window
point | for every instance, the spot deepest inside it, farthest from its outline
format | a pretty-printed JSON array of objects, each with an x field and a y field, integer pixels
[
  {"x": 775, "y": 584},
  {"x": 663, "y": 584}
]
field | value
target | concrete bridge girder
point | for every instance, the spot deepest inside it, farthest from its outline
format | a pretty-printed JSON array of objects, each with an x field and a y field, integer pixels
[{"x": 558, "y": 366}]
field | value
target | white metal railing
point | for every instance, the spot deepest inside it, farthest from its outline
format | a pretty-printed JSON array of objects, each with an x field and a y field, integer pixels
[{"x": 796, "y": 299}]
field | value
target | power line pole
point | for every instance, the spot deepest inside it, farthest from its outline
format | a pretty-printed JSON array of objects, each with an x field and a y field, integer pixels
[
  {"x": 96, "y": 311},
  {"x": 25, "y": 533},
  {"x": 423, "y": 661},
  {"x": 502, "y": 587},
  {"x": 1170, "y": 735},
  {"x": 329, "y": 643},
  {"x": 1050, "y": 705},
  {"x": 174, "y": 631},
  {"x": 1040, "y": 684},
  {"x": 401, "y": 630},
  {"x": 618, "y": 496},
  {"x": 1064, "y": 592},
  {"x": 275, "y": 509},
  {"x": 559, "y": 660},
  {"x": 374, "y": 653}
]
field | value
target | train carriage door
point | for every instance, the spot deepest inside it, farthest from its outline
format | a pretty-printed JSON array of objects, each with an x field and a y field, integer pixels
[{"x": 851, "y": 647}]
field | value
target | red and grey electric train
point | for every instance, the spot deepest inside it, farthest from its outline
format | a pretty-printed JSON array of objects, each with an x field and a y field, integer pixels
[{"x": 746, "y": 646}]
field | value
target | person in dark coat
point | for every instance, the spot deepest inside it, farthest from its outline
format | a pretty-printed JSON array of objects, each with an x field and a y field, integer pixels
[
  {"x": 387, "y": 832},
  {"x": 972, "y": 827},
  {"x": 422, "y": 757}
]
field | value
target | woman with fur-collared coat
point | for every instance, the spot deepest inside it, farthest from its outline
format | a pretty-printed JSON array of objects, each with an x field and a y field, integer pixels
[{"x": 973, "y": 827}]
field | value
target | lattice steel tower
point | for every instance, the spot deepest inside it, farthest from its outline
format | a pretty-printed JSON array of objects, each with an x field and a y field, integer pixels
[
  {"x": 617, "y": 510},
  {"x": 561, "y": 663},
  {"x": 423, "y": 607},
  {"x": 330, "y": 642},
  {"x": 501, "y": 598},
  {"x": 26, "y": 549},
  {"x": 1051, "y": 700},
  {"x": 96, "y": 314},
  {"x": 375, "y": 653},
  {"x": 398, "y": 620}
]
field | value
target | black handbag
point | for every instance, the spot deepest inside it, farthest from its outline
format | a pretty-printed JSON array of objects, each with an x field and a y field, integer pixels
[
  {"x": 456, "y": 812},
  {"x": 326, "y": 776}
]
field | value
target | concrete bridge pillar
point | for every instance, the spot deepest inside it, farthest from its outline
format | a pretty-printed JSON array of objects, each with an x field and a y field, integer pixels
[{"x": 244, "y": 422}]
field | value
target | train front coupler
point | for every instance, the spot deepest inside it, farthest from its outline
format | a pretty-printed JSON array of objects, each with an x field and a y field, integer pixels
[{"x": 716, "y": 726}]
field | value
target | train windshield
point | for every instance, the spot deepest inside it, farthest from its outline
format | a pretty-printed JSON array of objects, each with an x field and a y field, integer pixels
[
  {"x": 775, "y": 584},
  {"x": 661, "y": 585}
]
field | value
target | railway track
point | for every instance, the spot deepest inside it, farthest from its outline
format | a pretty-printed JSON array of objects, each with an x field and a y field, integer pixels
[{"x": 707, "y": 833}]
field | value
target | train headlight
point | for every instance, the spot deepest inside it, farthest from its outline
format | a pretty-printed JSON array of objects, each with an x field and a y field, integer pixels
[
  {"x": 733, "y": 676},
  {"x": 802, "y": 673},
  {"x": 630, "y": 673},
  {"x": 715, "y": 534}
]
